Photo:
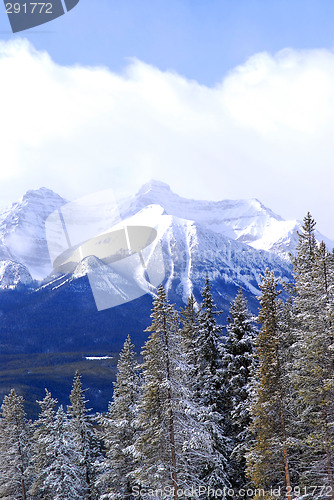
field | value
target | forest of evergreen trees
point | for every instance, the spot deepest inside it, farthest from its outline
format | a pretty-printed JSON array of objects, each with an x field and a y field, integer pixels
[{"x": 242, "y": 413}]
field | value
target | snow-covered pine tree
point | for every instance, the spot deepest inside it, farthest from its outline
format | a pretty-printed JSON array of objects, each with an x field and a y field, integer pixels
[
  {"x": 314, "y": 357},
  {"x": 64, "y": 479},
  {"x": 268, "y": 459},
  {"x": 324, "y": 281},
  {"x": 238, "y": 362},
  {"x": 188, "y": 334},
  {"x": 184, "y": 362},
  {"x": 209, "y": 393},
  {"x": 14, "y": 448},
  {"x": 288, "y": 346},
  {"x": 40, "y": 460},
  {"x": 194, "y": 436},
  {"x": 84, "y": 436},
  {"x": 118, "y": 430},
  {"x": 192, "y": 439},
  {"x": 156, "y": 446}
]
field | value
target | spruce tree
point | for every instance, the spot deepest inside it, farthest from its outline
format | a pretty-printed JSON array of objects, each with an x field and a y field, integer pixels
[
  {"x": 238, "y": 361},
  {"x": 40, "y": 459},
  {"x": 189, "y": 332},
  {"x": 64, "y": 479},
  {"x": 268, "y": 459},
  {"x": 14, "y": 448},
  {"x": 209, "y": 393},
  {"x": 84, "y": 437},
  {"x": 157, "y": 445},
  {"x": 314, "y": 358},
  {"x": 118, "y": 430},
  {"x": 196, "y": 438}
]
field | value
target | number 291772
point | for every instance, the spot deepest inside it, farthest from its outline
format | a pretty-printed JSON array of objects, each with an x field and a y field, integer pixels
[{"x": 29, "y": 8}]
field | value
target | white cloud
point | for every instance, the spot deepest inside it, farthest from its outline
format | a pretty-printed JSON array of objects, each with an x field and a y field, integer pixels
[{"x": 266, "y": 131}]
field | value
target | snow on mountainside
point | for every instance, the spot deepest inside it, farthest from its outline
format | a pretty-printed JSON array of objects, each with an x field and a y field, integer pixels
[
  {"x": 13, "y": 274},
  {"x": 189, "y": 228},
  {"x": 237, "y": 219},
  {"x": 22, "y": 230},
  {"x": 190, "y": 252},
  {"x": 246, "y": 221}
]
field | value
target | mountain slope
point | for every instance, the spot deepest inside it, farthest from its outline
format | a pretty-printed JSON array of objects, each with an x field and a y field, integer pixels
[
  {"x": 246, "y": 221},
  {"x": 23, "y": 237},
  {"x": 13, "y": 274},
  {"x": 22, "y": 230}
]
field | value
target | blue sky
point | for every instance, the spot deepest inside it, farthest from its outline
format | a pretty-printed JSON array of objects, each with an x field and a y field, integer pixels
[
  {"x": 236, "y": 95},
  {"x": 200, "y": 39}
]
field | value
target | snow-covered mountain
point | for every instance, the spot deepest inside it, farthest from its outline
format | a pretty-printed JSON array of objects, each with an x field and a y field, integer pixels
[
  {"x": 234, "y": 237},
  {"x": 22, "y": 231},
  {"x": 246, "y": 221},
  {"x": 190, "y": 251}
]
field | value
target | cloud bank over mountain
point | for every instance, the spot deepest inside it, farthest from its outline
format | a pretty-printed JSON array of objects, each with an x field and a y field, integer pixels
[{"x": 265, "y": 131}]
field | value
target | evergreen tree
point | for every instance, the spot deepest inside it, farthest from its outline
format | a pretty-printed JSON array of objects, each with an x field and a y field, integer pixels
[
  {"x": 40, "y": 460},
  {"x": 118, "y": 429},
  {"x": 188, "y": 335},
  {"x": 323, "y": 284},
  {"x": 14, "y": 448},
  {"x": 195, "y": 434},
  {"x": 238, "y": 361},
  {"x": 64, "y": 479},
  {"x": 209, "y": 392},
  {"x": 314, "y": 357},
  {"x": 83, "y": 435},
  {"x": 157, "y": 445},
  {"x": 268, "y": 459}
]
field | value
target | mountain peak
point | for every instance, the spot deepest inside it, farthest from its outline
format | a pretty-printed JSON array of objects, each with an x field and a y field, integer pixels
[
  {"x": 154, "y": 185},
  {"x": 40, "y": 194},
  {"x": 257, "y": 205},
  {"x": 22, "y": 230},
  {"x": 246, "y": 220}
]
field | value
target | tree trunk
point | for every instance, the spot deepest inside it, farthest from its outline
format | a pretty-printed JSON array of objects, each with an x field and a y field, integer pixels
[{"x": 23, "y": 487}]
